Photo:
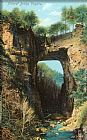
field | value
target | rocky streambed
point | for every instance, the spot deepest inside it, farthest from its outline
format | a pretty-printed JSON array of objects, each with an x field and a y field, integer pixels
[
  {"x": 51, "y": 131},
  {"x": 56, "y": 134},
  {"x": 60, "y": 128}
]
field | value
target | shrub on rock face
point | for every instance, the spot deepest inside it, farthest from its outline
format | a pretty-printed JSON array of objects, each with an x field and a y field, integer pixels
[
  {"x": 80, "y": 95},
  {"x": 84, "y": 38},
  {"x": 83, "y": 114}
]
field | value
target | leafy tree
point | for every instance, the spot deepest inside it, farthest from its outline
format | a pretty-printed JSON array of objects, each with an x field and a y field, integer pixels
[
  {"x": 53, "y": 29},
  {"x": 57, "y": 28},
  {"x": 58, "y": 78},
  {"x": 71, "y": 16},
  {"x": 59, "y": 25},
  {"x": 43, "y": 67},
  {"x": 81, "y": 13},
  {"x": 15, "y": 16},
  {"x": 64, "y": 28},
  {"x": 80, "y": 95},
  {"x": 31, "y": 19},
  {"x": 64, "y": 15},
  {"x": 20, "y": 18},
  {"x": 40, "y": 30},
  {"x": 84, "y": 38},
  {"x": 5, "y": 15},
  {"x": 22, "y": 22}
]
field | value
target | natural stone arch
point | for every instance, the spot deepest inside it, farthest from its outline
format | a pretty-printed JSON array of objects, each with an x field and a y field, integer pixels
[{"x": 69, "y": 83}]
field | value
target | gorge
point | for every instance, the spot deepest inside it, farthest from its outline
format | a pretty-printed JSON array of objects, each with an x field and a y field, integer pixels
[{"x": 23, "y": 50}]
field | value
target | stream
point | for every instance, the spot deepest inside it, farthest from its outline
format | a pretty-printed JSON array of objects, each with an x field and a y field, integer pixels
[{"x": 55, "y": 134}]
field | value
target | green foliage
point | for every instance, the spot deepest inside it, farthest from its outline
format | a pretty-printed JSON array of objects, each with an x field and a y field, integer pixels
[
  {"x": 40, "y": 30},
  {"x": 15, "y": 16},
  {"x": 84, "y": 38},
  {"x": 81, "y": 13},
  {"x": 80, "y": 95},
  {"x": 54, "y": 29},
  {"x": 51, "y": 74},
  {"x": 19, "y": 18},
  {"x": 81, "y": 16},
  {"x": 64, "y": 14},
  {"x": 58, "y": 78},
  {"x": 74, "y": 15},
  {"x": 2, "y": 51},
  {"x": 64, "y": 28},
  {"x": 31, "y": 19},
  {"x": 71, "y": 17},
  {"x": 5, "y": 15},
  {"x": 82, "y": 118}
]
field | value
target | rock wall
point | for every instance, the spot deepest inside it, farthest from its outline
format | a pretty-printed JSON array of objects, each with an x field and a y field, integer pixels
[
  {"x": 19, "y": 46},
  {"x": 31, "y": 51},
  {"x": 77, "y": 56}
]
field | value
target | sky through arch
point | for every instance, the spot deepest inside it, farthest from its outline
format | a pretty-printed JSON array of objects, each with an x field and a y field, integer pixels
[{"x": 54, "y": 65}]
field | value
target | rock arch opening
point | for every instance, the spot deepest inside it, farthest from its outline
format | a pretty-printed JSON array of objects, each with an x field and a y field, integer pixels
[
  {"x": 53, "y": 98},
  {"x": 50, "y": 78}
]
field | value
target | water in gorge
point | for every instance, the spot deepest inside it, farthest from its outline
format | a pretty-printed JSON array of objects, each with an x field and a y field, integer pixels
[{"x": 55, "y": 134}]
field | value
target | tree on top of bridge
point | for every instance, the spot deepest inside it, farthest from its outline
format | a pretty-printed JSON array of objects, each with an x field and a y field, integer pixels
[
  {"x": 64, "y": 14},
  {"x": 41, "y": 30},
  {"x": 69, "y": 15},
  {"x": 81, "y": 14},
  {"x": 54, "y": 29},
  {"x": 57, "y": 28},
  {"x": 74, "y": 15},
  {"x": 64, "y": 28}
]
